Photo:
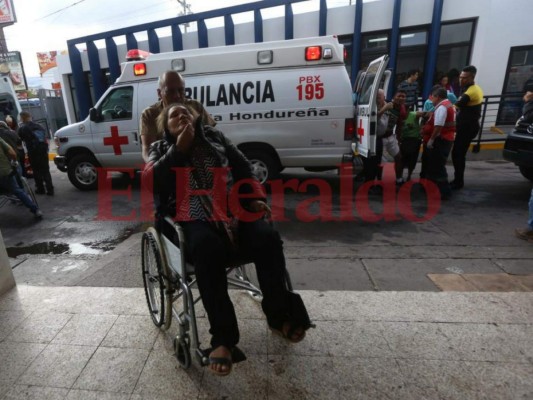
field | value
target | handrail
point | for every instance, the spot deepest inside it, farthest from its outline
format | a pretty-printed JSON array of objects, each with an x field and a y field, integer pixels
[{"x": 504, "y": 113}]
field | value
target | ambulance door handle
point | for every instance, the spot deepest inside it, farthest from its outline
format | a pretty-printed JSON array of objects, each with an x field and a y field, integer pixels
[{"x": 135, "y": 138}]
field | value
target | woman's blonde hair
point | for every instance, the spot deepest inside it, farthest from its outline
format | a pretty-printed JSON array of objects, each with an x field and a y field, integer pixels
[{"x": 162, "y": 119}]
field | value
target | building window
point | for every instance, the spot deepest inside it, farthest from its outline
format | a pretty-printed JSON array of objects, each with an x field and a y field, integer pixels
[
  {"x": 411, "y": 54},
  {"x": 413, "y": 38},
  {"x": 374, "y": 46},
  {"x": 519, "y": 74},
  {"x": 454, "y": 51}
]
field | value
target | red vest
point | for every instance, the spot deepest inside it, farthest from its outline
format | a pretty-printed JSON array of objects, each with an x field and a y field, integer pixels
[{"x": 448, "y": 130}]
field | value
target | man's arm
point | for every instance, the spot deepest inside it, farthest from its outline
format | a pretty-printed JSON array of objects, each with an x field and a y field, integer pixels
[
  {"x": 440, "y": 120},
  {"x": 8, "y": 149},
  {"x": 462, "y": 101},
  {"x": 147, "y": 134}
]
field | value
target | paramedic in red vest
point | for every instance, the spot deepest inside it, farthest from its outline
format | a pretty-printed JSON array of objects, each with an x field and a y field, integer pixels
[
  {"x": 34, "y": 137},
  {"x": 170, "y": 90},
  {"x": 468, "y": 115},
  {"x": 438, "y": 135}
]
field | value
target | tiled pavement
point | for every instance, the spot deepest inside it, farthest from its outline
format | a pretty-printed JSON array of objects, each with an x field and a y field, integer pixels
[{"x": 99, "y": 343}]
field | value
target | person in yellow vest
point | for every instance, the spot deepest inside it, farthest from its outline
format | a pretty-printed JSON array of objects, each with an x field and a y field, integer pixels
[{"x": 468, "y": 115}]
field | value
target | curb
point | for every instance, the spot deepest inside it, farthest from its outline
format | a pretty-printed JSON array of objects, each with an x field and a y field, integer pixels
[{"x": 51, "y": 156}]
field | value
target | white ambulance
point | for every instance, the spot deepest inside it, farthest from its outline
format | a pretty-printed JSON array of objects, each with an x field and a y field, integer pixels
[
  {"x": 9, "y": 104},
  {"x": 283, "y": 103}
]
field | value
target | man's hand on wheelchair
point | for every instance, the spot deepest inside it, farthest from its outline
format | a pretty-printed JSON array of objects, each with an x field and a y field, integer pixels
[{"x": 260, "y": 206}]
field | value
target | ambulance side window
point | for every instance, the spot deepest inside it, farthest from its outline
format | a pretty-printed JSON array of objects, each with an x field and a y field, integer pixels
[
  {"x": 367, "y": 89},
  {"x": 369, "y": 78},
  {"x": 117, "y": 105}
]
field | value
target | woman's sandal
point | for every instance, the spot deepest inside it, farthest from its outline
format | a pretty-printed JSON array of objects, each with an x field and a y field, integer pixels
[
  {"x": 236, "y": 355},
  {"x": 290, "y": 332},
  {"x": 225, "y": 362}
]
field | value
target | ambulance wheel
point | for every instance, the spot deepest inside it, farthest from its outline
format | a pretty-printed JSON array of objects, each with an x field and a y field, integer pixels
[
  {"x": 82, "y": 172},
  {"x": 264, "y": 166}
]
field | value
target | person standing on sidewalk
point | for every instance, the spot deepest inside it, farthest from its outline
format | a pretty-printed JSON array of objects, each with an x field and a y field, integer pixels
[
  {"x": 438, "y": 134},
  {"x": 468, "y": 115},
  {"x": 12, "y": 139},
  {"x": 392, "y": 138},
  {"x": 525, "y": 125},
  {"x": 410, "y": 87},
  {"x": 8, "y": 178},
  {"x": 34, "y": 137}
]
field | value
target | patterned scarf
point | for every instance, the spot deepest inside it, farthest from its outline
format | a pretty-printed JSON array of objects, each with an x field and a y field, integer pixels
[{"x": 204, "y": 156}]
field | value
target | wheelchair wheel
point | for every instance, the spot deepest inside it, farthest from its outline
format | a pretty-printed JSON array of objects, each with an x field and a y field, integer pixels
[
  {"x": 247, "y": 273},
  {"x": 155, "y": 285},
  {"x": 182, "y": 350},
  {"x": 28, "y": 190}
]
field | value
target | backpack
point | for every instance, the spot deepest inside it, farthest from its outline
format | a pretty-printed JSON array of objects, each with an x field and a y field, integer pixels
[{"x": 40, "y": 135}]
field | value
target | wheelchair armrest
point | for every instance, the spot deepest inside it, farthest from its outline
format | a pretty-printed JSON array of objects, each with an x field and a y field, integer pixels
[{"x": 178, "y": 229}]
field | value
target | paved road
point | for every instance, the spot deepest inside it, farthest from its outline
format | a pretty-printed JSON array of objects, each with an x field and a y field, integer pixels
[{"x": 471, "y": 234}]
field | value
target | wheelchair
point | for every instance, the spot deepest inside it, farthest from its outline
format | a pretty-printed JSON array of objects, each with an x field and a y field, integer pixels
[
  {"x": 168, "y": 279},
  {"x": 7, "y": 197}
]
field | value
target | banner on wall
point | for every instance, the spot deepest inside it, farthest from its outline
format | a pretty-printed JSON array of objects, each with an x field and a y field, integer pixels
[
  {"x": 11, "y": 65},
  {"x": 7, "y": 12}
]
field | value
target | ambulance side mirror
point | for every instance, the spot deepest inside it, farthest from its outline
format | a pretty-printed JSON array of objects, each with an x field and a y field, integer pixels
[{"x": 94, "y": 115}]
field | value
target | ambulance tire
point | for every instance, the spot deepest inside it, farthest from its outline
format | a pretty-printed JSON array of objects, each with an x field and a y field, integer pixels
[
  {"x": 264, "y": 166},
  {"x": 82, "y": 172}
]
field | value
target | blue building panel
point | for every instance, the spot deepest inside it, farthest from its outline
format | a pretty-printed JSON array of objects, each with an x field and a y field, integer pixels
[
  {"x": 112, "y": 59},
  {"x": 153, "y": 41},
  {"x": 229, "y": 30}
]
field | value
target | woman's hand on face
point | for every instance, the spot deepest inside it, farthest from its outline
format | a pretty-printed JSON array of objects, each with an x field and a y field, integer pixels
[
  {"x": 185, "y": 135},
  {"x": 259, "y": 205}
]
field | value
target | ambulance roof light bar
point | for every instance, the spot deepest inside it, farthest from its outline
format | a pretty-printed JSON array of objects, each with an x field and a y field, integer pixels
[{"x": 137, "y": 55}]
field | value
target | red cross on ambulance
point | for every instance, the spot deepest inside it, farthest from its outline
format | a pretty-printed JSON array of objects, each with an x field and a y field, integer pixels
[
  {"x": 116, "y": 141},
  {"x": 360, "y": 131}
]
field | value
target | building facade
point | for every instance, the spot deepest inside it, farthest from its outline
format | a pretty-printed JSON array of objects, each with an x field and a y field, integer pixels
[{"x": 437, "y": 37}]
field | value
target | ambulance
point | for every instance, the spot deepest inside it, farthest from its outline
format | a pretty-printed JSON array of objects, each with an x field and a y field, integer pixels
[
  {"x": 9, "y": 104},
  {"x": 282, "y": 103}
]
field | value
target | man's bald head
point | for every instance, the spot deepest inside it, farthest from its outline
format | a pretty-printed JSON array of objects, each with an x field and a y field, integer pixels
[
  {"x": 381, "y": 97},
  {"x": 171, "y": 88}
]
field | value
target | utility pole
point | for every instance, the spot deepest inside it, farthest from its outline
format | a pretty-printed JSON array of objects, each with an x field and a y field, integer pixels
[{"x": 186, "y": 11}]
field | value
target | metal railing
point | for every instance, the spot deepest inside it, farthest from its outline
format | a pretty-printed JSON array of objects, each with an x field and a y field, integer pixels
[{"x": 498, "y": 111}]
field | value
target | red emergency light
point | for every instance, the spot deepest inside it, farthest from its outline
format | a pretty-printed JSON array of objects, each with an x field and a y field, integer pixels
[
  {"x": 313, "y": 53},
  {"x": 139, "y": 69},
  {"x": 136, "y": 55}
]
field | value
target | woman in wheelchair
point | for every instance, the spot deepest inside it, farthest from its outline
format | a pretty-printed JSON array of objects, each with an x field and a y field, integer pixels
[
  {"x": 190, "y": 161},
  {"x": 8, "y": 178}
]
